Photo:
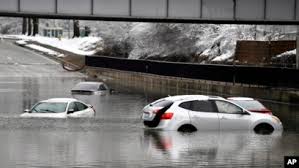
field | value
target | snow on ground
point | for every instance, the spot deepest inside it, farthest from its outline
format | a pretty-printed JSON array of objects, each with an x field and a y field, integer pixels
[
  {"x": 173, "y": 42},
  {"x": 219, "y": 42},
  {"x": 286, "y": 58},
  {"x": 80, "y": 46},
  {"x": 287, "y": 53},
  {"x": 223, "y": 57},
  {"x": 44, "y": 50},
  {"x": 203, "y": 43},
  {"x": 39, "y": 48},
  {"x": 160, "y": 41}
]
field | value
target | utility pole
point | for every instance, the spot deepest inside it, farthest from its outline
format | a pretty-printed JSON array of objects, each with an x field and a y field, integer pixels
[{"x": 297, "y": 48}]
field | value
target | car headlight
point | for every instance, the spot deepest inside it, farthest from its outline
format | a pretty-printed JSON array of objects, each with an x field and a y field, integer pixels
[{"x": 276, "y": 119}]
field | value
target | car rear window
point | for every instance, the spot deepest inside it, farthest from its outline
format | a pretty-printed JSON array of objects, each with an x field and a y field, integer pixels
[
  {"x": 250, "y": 104},
  {"x": 161, "y": 103}
]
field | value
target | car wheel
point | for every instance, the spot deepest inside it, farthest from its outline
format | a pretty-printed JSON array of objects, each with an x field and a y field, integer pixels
[
  {"x": 263, "y": 128},
  {"x": 187, "y": 128}
]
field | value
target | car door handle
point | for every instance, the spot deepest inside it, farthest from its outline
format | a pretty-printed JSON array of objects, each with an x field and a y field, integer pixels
[{"x": 223, "y": 118}]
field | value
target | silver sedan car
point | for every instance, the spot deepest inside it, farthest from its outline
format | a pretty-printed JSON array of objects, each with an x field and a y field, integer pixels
[
  {"x": 201, "y": 112},
  {"x": 95, "y": 88},
  {"x": 59, "y": 108}
]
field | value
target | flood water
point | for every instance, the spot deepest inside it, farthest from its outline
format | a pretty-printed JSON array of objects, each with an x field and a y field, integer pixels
[{"x": 116, "y": 137}]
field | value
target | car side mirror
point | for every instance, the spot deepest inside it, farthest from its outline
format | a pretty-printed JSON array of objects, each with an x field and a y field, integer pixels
[
  {"x": 27, "y": 111},
  {"x": 71, "y": 111}
]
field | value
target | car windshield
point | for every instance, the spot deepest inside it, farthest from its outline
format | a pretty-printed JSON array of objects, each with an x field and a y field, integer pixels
[
  {"x": 49, "y": 107},
  {"x": 250, "y": 104},
  {"x": 87, "y": 86}
]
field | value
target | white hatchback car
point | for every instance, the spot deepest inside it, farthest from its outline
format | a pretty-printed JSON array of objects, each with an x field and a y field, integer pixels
[
  {"x": 60, "y": 108},
  {"x": 200, "y": 112}
]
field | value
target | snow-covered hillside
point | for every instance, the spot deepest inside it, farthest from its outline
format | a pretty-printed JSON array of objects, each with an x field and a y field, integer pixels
[
  {"x": 202, "y": 43},
  {"x": 10, "y": 25}
]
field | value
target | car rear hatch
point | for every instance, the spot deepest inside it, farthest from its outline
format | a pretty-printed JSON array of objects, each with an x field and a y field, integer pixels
[{"x": 153, "y": 113}]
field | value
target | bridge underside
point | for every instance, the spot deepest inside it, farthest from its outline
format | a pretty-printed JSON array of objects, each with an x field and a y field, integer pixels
[{"x": 182, "y": 11}]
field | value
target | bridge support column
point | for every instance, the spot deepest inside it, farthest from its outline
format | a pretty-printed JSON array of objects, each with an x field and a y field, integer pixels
[
  {"x": 24, "y": 26},
  {"x": 35, "y": 26},
  {"x": 29, "y": 27}
]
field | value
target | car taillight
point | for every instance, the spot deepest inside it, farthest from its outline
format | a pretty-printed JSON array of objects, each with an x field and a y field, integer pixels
[{"x": 166, "y": 116}]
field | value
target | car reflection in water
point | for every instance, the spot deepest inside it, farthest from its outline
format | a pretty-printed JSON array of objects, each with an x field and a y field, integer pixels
[{"x": 212, "y": 148}]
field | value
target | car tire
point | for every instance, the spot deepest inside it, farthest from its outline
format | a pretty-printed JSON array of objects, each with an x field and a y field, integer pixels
[
  {"x": 187, "y": 128},
  {"x": 263, "y": 128}
]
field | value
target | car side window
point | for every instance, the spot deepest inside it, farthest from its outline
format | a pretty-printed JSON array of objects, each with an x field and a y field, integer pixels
[
  {"x": 186, "y": 105},
  {"x": 72, "y": 106},
  {"x": 226, "y": 107},
  {"x": 203, "y": 106},
  {"x": 80, "y": 106}
]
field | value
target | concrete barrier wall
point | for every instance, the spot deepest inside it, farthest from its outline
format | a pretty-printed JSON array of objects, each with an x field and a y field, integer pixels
[
  {"x": 166, "y": 85},
  {"x": 265, "y": 76}
]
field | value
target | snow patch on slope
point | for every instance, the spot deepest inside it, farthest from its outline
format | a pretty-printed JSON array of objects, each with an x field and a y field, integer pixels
[
  {"x": 287, "y": 53},
  {"x": 80, "y": 46}
]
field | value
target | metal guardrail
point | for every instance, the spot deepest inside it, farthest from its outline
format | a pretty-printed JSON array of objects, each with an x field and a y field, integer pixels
[{"x": 264, "y": 76}]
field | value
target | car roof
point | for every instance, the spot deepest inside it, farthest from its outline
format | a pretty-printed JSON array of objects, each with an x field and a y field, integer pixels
[
  {"x": 240, "y": 98},
  {"x": 60, "y": 100},
  {"x": 91, "y": 82},
  {"x": 192, "y": 97}
]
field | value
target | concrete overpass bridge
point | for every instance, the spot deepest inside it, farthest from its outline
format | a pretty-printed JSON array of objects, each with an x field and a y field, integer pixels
[{"x": 186, "y": 11}]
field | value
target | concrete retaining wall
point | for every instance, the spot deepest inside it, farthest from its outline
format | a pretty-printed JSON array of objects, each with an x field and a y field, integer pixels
[
  {"x": 260, "y": 52},
  {"x": 165, "y": 85}
]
